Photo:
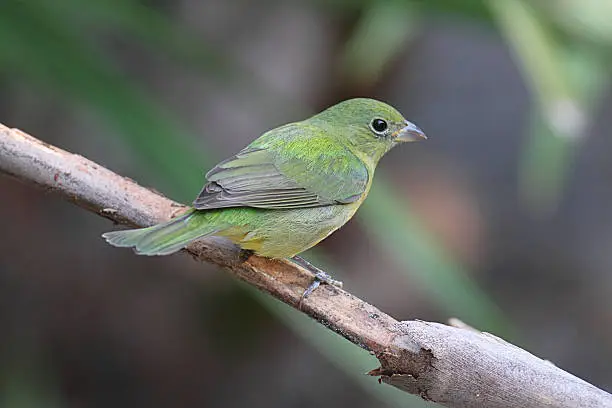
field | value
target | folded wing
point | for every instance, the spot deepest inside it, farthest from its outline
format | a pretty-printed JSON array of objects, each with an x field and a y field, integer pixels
[{"x": 300, "y": 169}]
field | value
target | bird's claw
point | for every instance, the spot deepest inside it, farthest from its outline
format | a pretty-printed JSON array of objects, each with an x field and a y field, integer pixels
[{"x": 320, "y": 277}]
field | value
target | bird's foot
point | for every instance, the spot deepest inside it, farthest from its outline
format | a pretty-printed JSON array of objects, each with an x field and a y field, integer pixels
[{"x": 320, "y": 277}]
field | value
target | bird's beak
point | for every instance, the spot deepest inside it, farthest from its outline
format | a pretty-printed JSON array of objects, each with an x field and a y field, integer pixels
[{"x": 409, "y": 133}]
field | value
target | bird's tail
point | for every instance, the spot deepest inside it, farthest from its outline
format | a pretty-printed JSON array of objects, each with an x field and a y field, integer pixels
[{"x": 165, "y": 238}]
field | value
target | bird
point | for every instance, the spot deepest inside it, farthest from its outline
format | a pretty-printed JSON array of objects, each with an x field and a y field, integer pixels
[{"x": 288, "y": 189}]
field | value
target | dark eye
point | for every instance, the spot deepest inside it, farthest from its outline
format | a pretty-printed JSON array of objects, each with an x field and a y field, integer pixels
[{"x": 379, "y": 126}]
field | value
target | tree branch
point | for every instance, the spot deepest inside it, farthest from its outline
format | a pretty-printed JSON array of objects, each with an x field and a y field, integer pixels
[{"x": 453, "y": 366}]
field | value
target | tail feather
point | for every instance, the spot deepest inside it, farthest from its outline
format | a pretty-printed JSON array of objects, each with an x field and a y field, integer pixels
[{"x": 162, "y": 239}]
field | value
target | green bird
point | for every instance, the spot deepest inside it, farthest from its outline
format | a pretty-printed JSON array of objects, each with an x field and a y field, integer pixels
[{"x": 289, "y": 189}]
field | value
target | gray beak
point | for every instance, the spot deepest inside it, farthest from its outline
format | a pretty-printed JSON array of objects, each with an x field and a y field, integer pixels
[{"x": 410, "y": 133}]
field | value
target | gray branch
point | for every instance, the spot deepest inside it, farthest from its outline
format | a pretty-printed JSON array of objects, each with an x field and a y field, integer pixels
[{"x": 453, "y": 366}]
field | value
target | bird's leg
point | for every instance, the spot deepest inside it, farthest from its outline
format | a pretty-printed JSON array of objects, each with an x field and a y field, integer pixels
[{"x": 320, "y": 276}]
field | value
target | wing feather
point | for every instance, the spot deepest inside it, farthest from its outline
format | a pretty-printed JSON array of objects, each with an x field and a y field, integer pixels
[{"x": 300, "y": 169}]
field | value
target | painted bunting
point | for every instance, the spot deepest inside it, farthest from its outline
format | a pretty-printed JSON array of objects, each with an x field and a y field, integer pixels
[{"x": 289, "y": 189}]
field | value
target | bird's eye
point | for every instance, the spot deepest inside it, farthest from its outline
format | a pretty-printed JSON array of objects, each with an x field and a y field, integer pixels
[{"x": 379, "y": 126}]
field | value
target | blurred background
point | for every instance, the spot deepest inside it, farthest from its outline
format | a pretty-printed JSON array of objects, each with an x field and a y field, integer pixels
[{"x": 503, "y": 218}]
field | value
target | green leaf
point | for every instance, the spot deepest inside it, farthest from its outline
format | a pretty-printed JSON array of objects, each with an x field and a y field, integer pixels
[
  {"x": 381, "y": 34},
  {"x": 561, "y": 116}
]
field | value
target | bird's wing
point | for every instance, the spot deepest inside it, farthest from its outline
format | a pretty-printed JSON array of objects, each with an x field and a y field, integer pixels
[{"x": 297, "y": 168}]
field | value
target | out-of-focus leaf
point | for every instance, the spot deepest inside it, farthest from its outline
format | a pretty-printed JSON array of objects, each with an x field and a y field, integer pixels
[
  {"x": 36, "y": 46},
  {"x": 415, "y": 251},
  {"x": 137, "y": 21},
  {"x": 536, "y": 50},
  {"x": 133, "y": 20},
  {"x": 27, "y": 380},
  {"x": 474, "y": 10},
  {"x": 547, "y": 161},
  {"x": 588, "y": 19},
  {"x": 381, "y": 34},
  {"x": 545, "y": 154},
  {"x": 20, "y": 392}
]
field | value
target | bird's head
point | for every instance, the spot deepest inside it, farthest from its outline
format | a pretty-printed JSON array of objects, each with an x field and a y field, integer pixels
[{"x": 370, "y": 127}]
